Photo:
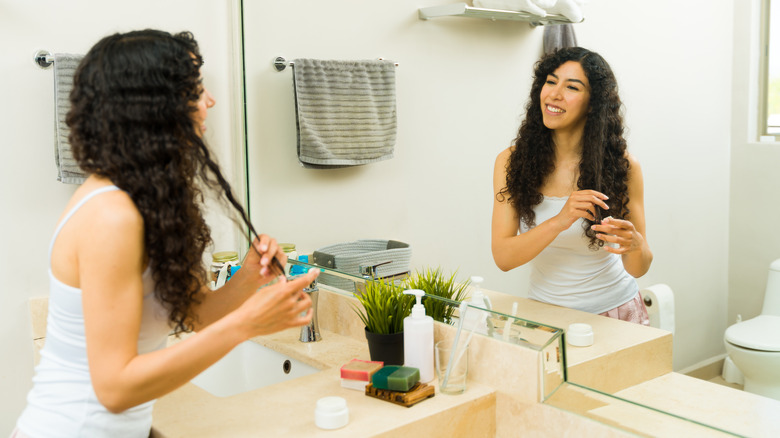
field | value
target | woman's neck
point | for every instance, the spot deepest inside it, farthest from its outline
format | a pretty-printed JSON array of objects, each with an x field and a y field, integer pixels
[{"x": 568, "y": 144}]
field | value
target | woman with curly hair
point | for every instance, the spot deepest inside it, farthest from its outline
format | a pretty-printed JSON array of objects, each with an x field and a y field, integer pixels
[
  {"x": 568, "y": 197},
  {"x": 126, "y": 259}
]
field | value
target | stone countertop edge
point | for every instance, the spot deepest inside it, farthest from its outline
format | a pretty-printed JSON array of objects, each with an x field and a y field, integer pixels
[{"x": 287, "y": 408}]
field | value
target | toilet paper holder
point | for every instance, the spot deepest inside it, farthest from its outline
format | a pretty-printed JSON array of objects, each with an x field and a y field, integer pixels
[{"x": 659, "y": 300}]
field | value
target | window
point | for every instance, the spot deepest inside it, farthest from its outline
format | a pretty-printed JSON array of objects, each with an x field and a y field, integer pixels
[{"x": 770, "y": 59}]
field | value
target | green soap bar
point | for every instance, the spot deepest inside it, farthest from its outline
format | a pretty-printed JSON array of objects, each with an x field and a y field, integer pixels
[
  {"x": 379, "y": 379},
  {"x": 403, "y": 379}
]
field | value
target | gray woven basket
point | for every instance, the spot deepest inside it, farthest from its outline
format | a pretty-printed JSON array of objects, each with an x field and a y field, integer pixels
[{"x": 349, "y": 257}]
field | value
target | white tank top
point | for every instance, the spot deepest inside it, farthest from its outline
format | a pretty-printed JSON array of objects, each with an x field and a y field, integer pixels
[
  {"x": 568, "y": 273},
  {"x": 62, "y": 402}
]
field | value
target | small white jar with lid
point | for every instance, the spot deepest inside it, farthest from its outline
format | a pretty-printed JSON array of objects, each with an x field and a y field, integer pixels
[
  {"x": 331, "y": 413},
  {"x": 579, "y": 335}
]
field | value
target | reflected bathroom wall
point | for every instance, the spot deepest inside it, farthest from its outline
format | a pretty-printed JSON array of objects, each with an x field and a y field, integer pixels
[{"x": 461, "y": 87}]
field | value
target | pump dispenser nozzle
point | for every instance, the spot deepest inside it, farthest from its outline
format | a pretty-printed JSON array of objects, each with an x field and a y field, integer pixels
[
  {"x": 479, "y": 318},
  {"x": 478, "y": 298},
  {"x": 418, "y": 310}
]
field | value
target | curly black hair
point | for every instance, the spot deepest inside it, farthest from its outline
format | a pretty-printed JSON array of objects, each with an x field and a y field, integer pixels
[
  {"x": 604, "y": 164},
  {"x": 131, "y": 121}
]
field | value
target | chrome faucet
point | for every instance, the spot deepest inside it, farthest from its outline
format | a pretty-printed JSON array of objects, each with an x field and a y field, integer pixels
[{"x": 311, "y": 331}]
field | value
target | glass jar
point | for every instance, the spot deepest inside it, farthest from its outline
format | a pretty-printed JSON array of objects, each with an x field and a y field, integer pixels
[
  {"x": 222, "y": 260},
  {"x": 290, "y": 252}
]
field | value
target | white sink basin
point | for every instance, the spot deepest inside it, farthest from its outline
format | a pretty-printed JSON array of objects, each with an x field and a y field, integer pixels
[{"x": 250, "y": 366}]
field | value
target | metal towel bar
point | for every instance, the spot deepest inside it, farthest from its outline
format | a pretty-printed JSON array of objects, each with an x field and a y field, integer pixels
[{"x": 280, "y": 63}]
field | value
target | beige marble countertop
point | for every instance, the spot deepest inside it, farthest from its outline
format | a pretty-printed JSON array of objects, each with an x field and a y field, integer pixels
[
  {"x": 627, "y": 360},
  {"x": 698, "y": 408},
  {"x": 715, "y": 405},
  {"x": 287, "y": 408},
  {"x": 602, "y": 365}
]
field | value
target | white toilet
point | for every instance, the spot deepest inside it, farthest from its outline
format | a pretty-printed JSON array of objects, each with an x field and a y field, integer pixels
[{"x": 754, "y": 345}]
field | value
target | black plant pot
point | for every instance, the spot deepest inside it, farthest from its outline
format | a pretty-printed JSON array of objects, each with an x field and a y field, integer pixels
[{"x": 386, "y": 348}]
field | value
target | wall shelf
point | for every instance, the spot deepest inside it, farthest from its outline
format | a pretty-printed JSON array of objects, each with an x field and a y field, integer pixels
[{"x": 464, "y": 10}]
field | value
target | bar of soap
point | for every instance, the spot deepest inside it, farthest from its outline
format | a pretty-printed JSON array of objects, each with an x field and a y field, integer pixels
[
  {"x": 396, "y": 378},
  {"x": 403, "y": 379},
  {"x": 379, "y": 379},
  {"x": 361, "y": 370}
]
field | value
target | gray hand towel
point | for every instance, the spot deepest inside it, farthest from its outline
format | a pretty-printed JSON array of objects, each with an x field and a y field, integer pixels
[
  {"x": 68, "y": 170},
  {"x": 558, "y": 36},
  {"x": 346, "y": 112}
]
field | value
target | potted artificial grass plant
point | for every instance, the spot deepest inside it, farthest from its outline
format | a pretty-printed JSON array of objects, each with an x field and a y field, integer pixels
[
  {"x": 384, "y": 307},
  {"x": 434, "y": 282}
]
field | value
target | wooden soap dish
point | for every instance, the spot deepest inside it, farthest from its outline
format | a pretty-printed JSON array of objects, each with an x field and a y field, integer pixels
[{"x": 418, "y": 393}]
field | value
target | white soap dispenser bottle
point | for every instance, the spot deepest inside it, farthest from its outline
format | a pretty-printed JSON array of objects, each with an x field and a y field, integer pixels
[
  {"x": 478, "y": 320},
  {"x": 418, "y": 338}
]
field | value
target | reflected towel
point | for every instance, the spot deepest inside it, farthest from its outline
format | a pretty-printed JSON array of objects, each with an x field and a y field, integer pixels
[
  {"x": 534, "y": 7},
  {"x": 68, "y": 170},
  {"x": 571, "y": 9},
  {"x": 558, "y": 36},
  {"x": 346, "y": 112}
]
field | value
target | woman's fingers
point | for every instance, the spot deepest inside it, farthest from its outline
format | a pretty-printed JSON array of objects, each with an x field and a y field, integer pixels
[
  {"x": 281, "y": 306},
  {"x": 266, "y": 248},
  {"x": 618, "y": 232},
  {"x": 586, "y": 200}
]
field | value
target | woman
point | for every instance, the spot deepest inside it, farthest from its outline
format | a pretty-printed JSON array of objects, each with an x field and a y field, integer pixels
[
  {"x": 568, "y": 197},
  {"x": 126, "y": 259}
]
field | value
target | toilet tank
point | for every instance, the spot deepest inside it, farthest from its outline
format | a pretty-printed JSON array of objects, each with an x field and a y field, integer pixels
[{"x": 772, "y": 293}]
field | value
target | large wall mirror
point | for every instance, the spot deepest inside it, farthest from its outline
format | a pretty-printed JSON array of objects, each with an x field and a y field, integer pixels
[{"x": 461, "y": 88}]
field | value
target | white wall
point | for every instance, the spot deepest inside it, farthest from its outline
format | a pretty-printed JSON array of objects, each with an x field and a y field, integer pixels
[
  {"x": 461, "y": 87},
  {"x": 754, "y": 238},
  {"x": 32, "y": 199}
]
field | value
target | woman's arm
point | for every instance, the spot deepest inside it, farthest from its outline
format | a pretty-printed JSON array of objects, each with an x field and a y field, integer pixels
[
  {"x": 630, "y": 233},
  {"x": 110, "y": 280},
  {"x": 511, "y": 249},
  {"x": 256, "y": 269}
]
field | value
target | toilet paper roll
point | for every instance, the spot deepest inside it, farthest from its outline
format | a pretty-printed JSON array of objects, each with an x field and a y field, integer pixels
[{"x": 659, "y": 300}]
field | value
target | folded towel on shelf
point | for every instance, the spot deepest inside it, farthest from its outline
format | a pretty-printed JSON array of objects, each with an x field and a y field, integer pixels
[
  {"x": 68, "y": 170},
  {"x": 571, "y": 9},
  {"x": 534, "y": 7},
  {"x": 346, "y": 112},
  {"x": 558, "y": 36}
]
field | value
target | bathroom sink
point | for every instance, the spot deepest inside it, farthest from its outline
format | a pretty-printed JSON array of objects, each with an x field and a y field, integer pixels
[{"x": 250, "y": 366}]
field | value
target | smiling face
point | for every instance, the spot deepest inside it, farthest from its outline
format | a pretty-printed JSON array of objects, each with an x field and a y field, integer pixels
[{"x": 564, "y": 98}]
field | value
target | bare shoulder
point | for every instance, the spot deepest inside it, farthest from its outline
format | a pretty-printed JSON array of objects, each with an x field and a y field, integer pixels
[
  {"x": 106, "y": 228},
  {"x": 634, "y": 168},
  {"x": 112, "y": 209},
  {"x": 503, "y": 158},
  {"x": 110, "y": 216},
  {"x": 632, "y": 160},
  {"x": 635, "y": 180}
]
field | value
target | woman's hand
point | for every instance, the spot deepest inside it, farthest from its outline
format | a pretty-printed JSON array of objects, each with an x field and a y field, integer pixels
[
  {"x": 622, "y": 233},
  {"x": 257, "y": 270},
  {"x": 277, "y": 307},
  {"x": 259, "y": 258},
  {"x": 581, "y": 204}
]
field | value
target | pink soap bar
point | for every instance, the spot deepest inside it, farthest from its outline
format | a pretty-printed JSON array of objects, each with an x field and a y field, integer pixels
[{"x": 361, "y": 370}]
